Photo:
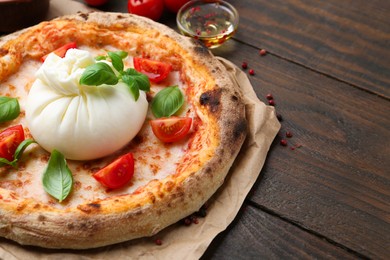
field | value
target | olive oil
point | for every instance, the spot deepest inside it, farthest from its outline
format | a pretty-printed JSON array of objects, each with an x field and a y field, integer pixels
[{"x": 213, "y": 23}]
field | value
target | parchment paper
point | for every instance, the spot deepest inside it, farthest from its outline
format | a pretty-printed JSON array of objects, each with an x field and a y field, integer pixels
[{"x": 180, "y": 241}]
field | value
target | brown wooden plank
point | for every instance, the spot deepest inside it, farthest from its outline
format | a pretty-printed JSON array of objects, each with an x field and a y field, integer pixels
[
  {"x": 349, "y": 39},
  {"x": 338, "y": 183},
  {"x": 258, "y": 235}
]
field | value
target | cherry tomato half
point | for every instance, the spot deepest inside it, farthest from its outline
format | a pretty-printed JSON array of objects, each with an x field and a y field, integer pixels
[
  {"x": 10, "y": 139},
  {"x": 152, "y": 9},
  {"x": 174, "y": 5},
  {"x": 61, "y": 51},
  {"x": 171, "y": 129},
  {"x": 96, "y": 2},
  {"x": 156, "y": 71},
  {"x": 118, "y": 173}
]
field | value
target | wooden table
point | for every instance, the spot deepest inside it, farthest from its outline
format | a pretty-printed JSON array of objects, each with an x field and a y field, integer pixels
[{"x": 327, "y": 193}]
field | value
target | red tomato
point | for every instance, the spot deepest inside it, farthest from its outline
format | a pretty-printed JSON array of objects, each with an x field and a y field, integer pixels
[
  {"x": 156, "y": 71},
  {"x": 118, "y": 173},
  {"x": 61, "y": 51},
  {"x": 152, "y": 9},
  {"x": 10, "y": 139},
  {"x": 96, "y": 2},
  {"x": 174, "y": 5},
  {"x": 171, "y": 129}
]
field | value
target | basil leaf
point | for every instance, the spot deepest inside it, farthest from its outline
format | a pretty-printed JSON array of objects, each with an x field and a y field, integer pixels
[
  {"x": 128, "y": 80},
  {"x": 57, "y": 179},
  {"x": 116, "y": 61},
  {"x": 18, "y": 153},
  {"x": 4, "y": 162},
  {"x": 141, "y": 80},
  {"x": 167, "y": 102},
  {"x": 121, "y": 54},
  {"x": 101, "y": 57},
  {"x": 98, "y": 74},
  {"x": 21, "y": 147},
  {"x": 9, "y": 108}
]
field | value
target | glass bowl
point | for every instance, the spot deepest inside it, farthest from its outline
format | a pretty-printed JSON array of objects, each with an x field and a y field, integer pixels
[{"x": 212, "y": 22}]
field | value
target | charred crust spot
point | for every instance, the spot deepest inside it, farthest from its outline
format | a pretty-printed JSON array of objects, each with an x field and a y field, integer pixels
[
  {"x": 120, "y": 16},
  {"x": 88, "y": 208},
  {"x": 94, "y": 205},
  {"x": 240, "y": 128},
  {"x": 234, "y": 98},
  {"x": 84, "y": 16},
  {"x": 200, "y": 48},
  {"x": 211, "y": 99},
  {"x": 70, "y": 226},
  {"x": 41, "y": 218}
]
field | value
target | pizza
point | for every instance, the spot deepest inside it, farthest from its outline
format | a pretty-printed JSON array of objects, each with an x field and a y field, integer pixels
[{"x": 113, "y": 127}]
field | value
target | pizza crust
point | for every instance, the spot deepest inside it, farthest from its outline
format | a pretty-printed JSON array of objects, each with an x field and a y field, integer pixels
[{"x": 160, "y": 203}]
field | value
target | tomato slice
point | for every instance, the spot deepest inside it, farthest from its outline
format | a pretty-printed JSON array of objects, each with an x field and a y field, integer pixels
[
  {"x": 171, "y": 129},
  {"x": 61, "y": 51},
  {"x": 10, "y": 139},
  {"x": 118, "y": 173},
  {"x": 156, "y": 71}
]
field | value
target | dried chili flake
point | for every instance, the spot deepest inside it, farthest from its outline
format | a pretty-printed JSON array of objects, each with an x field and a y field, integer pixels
[
  {"x": 289, "y": 134},
  {"x": 262, "y": 52},
  {"x": 251, "y": 72}
]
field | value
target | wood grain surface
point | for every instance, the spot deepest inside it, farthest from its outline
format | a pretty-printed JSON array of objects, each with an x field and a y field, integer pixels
[
  {"x": 326, "y": 195},
  {"x": 347, "y": 40}
]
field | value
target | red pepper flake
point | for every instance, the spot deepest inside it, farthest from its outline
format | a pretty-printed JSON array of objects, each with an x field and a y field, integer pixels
[
  {"x": 198, "y": 32},
  {"x": 292, "y": 148},
  {"x": 244, "y": 65},
  {"x": 187, "y": 221},
  {"x": 194, "y": 9},
  {"x": 262, "y": 52},
  {"x": 269, "y": 96},
  {"x": 271, "y": 102},
  {"x": 158, "y": 242},
  {"x": 251, "y": 72},
  {"x": 283, "y": 142},
  {"x": 289, "y": 134}
]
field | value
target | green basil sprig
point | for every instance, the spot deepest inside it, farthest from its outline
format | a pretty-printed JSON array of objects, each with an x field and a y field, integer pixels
[
  {"x": 57, "y": 178},
  {"x": 101, "y": 73},
  {"x": 98, "y": 74},
  {"x": 167, "y": 102},
  {"x": 9, "y": 109},
  {"x": 18, "y": 153}
]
